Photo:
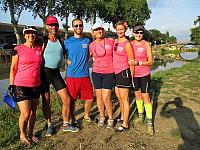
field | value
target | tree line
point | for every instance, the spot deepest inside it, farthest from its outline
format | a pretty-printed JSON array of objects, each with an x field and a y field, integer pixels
[
  {"x": 109, "y": 11},
  {"x": 195, "y": 32}
]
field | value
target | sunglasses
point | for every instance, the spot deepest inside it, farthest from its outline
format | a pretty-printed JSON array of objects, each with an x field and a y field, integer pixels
[
  {"x": 139, "y": 32},
  {"x": 53, "y": 24},
  {"x": 78, "y": 25},
  {"x": 116, "y": 46},
  {"x": 97, "y": 29},
  {"x": 29, "y": 32}
]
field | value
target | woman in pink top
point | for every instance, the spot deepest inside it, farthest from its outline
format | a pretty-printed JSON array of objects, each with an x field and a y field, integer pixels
[
  {"x": 123, "y": 59},
  {"x": 25, "y": 82},
  {"x": 102, "y": 72},
  {"x": 143, "y": 61}
]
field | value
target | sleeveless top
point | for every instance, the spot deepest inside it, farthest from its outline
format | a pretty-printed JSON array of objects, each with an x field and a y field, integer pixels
[
  {"x": 103, "y": 56},
  {"x": 28, "y": 72},
  {"x": 120, "y": 57},
  {"x": 53, "y": 55},
  {"x": 140, "y": 52}
]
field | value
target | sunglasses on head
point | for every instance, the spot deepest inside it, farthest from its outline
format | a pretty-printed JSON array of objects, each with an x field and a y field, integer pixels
[
  {"x": 78, "y": 25},
  {"x": 30, "y": 27},
  {"x": 139, "y": 32}
]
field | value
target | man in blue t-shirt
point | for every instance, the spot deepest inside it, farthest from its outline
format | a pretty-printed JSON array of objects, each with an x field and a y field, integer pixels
[{"x": 77, "y": 77}]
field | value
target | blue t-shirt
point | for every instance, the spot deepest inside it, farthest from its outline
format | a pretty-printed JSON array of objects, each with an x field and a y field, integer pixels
[
  {"x": 78, "y": 54},
  {"x": 53, "y": 55}
]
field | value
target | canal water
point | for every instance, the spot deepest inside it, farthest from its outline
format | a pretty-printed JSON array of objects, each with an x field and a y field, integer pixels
[{"x": 159, "y": 65}]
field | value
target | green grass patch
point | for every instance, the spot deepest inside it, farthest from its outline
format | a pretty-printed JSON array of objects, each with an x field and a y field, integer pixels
[{"x": 175, "y": 132}]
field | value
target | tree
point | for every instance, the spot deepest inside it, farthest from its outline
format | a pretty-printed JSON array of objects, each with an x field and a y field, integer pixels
[
  {"x": 15, "y": 8},
  {"x": 195, "y": 35},
  {"x": 41, "y": 8},
  {"x": 63, "y": 9},
  {"x": 195, "y": 32},
  {"x": 133, "y": 11}
]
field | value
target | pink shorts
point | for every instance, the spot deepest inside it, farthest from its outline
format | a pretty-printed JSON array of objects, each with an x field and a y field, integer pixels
[{"x": 80, "y": 87}]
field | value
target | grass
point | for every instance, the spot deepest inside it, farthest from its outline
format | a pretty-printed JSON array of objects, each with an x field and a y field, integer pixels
[
  {"x": 175, "y": 133},
  {"x": 182, "y": 82}
]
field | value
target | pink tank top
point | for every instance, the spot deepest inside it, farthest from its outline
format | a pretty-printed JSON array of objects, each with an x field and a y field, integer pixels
[
  {"x": 103, "y": 56},
  {"x": 120, "y": 57},
  {"x": 140, "y": 52},
  {"x": 28, "y": 72}
]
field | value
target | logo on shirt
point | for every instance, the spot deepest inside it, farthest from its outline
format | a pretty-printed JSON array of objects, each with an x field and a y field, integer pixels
[
  {"x": 120, "y": 49},
  {"x": 140, "y": 49},
  {"x": 38, "y": 53},
  {"x": 107, "y": 46},
  {"x": 84, "y": 45}
]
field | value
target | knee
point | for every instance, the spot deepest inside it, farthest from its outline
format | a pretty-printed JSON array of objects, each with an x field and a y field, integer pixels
[
  {"x": 25, "y": 115},
  {"x": 106, "y": 100}
]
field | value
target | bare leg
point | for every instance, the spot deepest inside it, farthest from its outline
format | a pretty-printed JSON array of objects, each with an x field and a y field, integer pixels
[
  {"x": 46, "y": 106},
  {"x": 25, "y": 109},
  {"x": 64, "y": 94},
  {"x": 107, "y": 102},
  {"x": 32, "y": 117},
  {"x": 126, "y": 105},
  {"x": 72, "y": 110},
  {"x": 88, "y": 106},
  {"x": 120, "y": 102},
  {"x": 100, "y": 103}
]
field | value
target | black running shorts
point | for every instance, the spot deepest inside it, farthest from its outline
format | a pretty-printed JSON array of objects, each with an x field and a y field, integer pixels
[
  {"x": 142, "y": 83},
  {"x": 103, "y": 81},
  {"x": 51, "y": 76},
  {"x": 123, "y": 79}
]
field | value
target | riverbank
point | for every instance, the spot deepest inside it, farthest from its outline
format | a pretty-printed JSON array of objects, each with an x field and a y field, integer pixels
[{"x": 175, "y": 97}]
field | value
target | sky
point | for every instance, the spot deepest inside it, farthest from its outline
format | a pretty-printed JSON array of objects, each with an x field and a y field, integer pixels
[{"x": 175, "y": 16}]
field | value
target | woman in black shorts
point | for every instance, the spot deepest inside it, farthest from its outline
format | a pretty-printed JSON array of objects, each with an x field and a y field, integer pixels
[{"x": 25, "y": 82}]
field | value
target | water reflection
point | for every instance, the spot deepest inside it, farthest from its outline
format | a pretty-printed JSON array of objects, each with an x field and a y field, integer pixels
[
  {"x": 189, "y": 52},
  {"x": 163, "y": 65},
  {"x": 189, "y": 55},
  {"x": 159, "y": 65}
]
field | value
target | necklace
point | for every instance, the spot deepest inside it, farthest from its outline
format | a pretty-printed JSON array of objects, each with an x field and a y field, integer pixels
[{"x": 100, "y": 50}]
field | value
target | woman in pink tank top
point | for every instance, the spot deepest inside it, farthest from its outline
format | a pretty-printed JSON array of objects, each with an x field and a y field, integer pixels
[
  {"x": 123, "y": 59},
  {"x": 143, "y": 61},
  {"x": 101, "y": 49},
  {"x": 25, "y": 82}
]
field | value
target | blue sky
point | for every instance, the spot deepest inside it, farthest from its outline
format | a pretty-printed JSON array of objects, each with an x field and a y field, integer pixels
[{"x": 175, "y": 16}]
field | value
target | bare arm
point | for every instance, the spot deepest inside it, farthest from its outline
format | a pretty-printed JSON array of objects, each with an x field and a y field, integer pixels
[
  {"x": 13, "y": 68},
  {"x": 149, "y": 61},
  {"x": 129, "y": 51}
]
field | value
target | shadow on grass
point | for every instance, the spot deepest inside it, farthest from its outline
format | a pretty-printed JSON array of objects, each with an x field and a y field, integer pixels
[
  {"x": 155, "y": 87},
  {"x": 188, "y": 127}
]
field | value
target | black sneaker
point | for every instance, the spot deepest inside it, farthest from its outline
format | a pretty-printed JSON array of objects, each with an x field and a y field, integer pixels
[{"x": 122, "y": 129}]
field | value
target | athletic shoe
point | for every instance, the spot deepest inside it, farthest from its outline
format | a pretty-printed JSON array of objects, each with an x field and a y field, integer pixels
[
  {"x": 50, "y": 130},
  {"x": 110, "y": 124},
  {"x": 150, "y": 130},
  {"x": 87, "y": 120},
  {"x": 122, "y": 129},
  {"x": 139, "y": 120},
  {"x": 69, "y": 128},
  {"x": 101, "y": 122}
]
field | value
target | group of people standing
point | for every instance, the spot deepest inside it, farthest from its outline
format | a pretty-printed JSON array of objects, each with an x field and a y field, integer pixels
[{"x": 116, "y": 63}]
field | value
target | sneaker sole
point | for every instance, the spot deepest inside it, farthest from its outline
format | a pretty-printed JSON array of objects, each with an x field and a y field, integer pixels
[{"x": 70, "y": 131}]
